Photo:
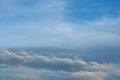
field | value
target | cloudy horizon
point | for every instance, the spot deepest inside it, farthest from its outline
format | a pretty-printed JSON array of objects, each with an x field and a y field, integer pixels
[{"x": 33, "y": 66}]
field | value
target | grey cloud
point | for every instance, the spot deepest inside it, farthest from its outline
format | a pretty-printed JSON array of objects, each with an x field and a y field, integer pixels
[
  {"x": 25, "y": 73},
  {"x": 38, "y": 67},
  {"x": 39, "y": 61},
  {"x": 85, "y": 75},
  {"x": 51, "y": 63}
]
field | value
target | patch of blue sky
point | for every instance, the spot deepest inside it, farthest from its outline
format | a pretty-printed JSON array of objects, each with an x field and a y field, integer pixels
[{"x": 92, "y": 9}]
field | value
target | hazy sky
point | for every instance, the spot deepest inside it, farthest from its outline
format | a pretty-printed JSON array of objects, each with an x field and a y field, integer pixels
[{"x": 61, "y": 23}]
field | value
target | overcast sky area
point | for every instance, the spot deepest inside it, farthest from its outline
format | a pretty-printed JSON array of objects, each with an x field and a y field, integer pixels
[{"x": 59, "y": 23}]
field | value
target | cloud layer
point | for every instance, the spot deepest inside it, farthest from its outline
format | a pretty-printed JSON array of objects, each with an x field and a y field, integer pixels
[
  {"x": 52, "y": 63},
  {"x": 32, "y": 66}
]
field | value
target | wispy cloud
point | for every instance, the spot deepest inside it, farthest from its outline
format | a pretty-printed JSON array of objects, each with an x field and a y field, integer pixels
[{"x": 45, "y": 21}]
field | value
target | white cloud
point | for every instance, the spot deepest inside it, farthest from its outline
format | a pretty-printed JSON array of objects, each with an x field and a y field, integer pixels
[{"x": 86, "y": 75}]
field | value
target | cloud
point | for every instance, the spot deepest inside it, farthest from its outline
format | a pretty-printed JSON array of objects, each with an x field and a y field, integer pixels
[
  {"x": 103, "y": 67},
  {"x": 51, "y": 63},
  {"x": 39, "y": 61},
  {"x": 27, "y": 76},
  {"x": 25, "y": 73},
  {"x": 33, "y": 66},
  {"x": 85, "y": 75}
]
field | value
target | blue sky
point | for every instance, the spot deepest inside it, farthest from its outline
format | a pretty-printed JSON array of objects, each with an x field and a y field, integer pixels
[{"x": 61, "y": 23}]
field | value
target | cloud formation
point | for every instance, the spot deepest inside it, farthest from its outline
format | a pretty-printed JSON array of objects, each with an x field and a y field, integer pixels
[
  {"x": 33, "y": 66},
  {"x": 60, "y": 23},
  {"x": 85, "y": 75},
  {"x": 52, "y": 63}
]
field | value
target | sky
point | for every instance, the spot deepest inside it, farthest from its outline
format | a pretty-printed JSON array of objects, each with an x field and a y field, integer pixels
[
  {"x": 60, "y": 23},
  {"x": 90, "y": 27}
]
